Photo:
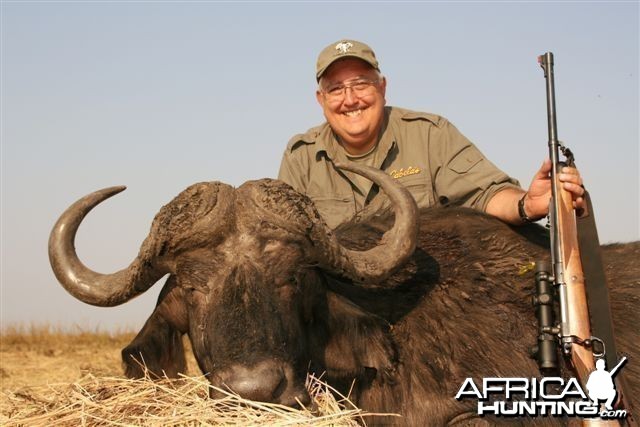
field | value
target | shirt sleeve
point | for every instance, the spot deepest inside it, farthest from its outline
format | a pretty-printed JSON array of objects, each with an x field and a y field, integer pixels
[
  {"x": 292, "y": 171},
  {"x": 463, "y": 175}
]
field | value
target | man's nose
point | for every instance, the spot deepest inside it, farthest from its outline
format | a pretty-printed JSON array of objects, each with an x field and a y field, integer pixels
[{"x": 350, "y": 97}]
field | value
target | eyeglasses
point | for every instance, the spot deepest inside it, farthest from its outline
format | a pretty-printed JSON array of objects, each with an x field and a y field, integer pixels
[{"x": 360, "y": 88}]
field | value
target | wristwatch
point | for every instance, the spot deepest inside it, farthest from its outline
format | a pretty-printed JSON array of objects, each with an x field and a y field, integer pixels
[{"x": 523, "y": 215}]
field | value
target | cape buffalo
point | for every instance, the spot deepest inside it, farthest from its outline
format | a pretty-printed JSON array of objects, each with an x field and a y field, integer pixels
[{"x": 266, "y": 292}]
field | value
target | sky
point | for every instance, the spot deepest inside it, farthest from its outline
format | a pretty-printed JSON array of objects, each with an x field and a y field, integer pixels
[{"x": 159, "y": 95}]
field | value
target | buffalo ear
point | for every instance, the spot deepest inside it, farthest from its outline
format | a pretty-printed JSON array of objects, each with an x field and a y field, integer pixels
[
  {"x": 358, "y": 344},
  {"x": 157, "y": 350}
]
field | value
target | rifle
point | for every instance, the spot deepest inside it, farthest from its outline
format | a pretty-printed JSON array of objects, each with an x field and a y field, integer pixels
[{"x": 564, "y": 279}]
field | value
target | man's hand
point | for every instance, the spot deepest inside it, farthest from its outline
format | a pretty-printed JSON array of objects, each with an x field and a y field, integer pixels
[
  {"x": 504, "y": 204},
  {"x": 536, "y": 203}
]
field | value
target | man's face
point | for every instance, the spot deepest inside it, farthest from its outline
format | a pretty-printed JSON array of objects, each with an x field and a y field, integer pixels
[{"x": 357, "y": 116}]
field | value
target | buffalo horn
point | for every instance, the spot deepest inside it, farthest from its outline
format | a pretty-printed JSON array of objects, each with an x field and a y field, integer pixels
[
  {"x": 396, "y": 245},
  {"x": 105, "y": 290}
]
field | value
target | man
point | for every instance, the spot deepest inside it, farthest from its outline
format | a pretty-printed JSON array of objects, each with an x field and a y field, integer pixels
[{"x": 425, "y": 152}]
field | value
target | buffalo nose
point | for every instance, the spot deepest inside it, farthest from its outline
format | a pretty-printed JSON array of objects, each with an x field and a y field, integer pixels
[
  {"x": 262, "y": 386},
  {"x": 266, "y": 381}
]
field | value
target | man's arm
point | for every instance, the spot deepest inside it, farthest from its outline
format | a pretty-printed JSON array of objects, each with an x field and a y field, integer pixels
[
  {"x": 504, "y": 204},
  {"x": 462, "y": 175}
]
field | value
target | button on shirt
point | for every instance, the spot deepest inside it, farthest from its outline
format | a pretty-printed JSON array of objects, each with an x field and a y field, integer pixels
[{"x": 424, "y": 152}]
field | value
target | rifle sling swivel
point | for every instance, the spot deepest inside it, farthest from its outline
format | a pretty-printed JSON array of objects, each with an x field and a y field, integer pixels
[{"x": 594, "y": 343}]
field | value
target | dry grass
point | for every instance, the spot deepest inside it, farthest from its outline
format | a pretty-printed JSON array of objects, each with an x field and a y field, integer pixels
[
  {"x": 40, "y": 355},
  {"x": 56, "y": 378},
  {"x": 117, "y": 401}
]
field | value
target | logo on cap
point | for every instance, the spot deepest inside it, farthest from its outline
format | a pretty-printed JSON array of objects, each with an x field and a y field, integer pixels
[{"x": 343, "y": 47}]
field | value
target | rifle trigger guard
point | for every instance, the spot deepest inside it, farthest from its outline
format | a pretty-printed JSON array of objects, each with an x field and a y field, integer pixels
[{"x": 594, "y": 343}]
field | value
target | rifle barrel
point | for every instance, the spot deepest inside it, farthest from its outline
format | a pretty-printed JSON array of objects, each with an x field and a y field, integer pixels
[{"x": 546, "y": 62}]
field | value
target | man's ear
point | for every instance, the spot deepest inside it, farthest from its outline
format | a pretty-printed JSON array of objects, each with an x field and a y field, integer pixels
[
  {"x": 383, "y": 89},
  {"x": 320, "y": 98}
]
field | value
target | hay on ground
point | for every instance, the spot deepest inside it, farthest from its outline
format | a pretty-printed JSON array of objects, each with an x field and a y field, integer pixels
[{"x": 117, "y": 401}]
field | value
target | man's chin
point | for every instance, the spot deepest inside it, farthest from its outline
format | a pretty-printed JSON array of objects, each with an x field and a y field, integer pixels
[
  {"x": 356, "y": 144},
  {"x": 356, "y": 132}
]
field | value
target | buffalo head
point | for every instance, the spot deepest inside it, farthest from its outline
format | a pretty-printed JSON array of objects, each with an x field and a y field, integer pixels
[{"x": 244, "y": 280}]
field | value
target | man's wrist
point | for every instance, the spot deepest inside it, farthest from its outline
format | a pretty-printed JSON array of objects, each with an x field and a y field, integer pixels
[{"x": 522, "y": 213}]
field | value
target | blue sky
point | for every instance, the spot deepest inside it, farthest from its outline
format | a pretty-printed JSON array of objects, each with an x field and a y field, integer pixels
[{"x": 159, "y": 95}]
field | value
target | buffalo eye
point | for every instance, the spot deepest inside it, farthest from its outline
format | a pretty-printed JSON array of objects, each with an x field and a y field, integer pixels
[
  {"x": 285, "y": 282},
  {"x": 191, "y": 289}
]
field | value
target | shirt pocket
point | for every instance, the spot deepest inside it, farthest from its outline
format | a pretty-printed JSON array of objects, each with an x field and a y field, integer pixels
[
  {"x": 334, "y": 209},
  {"x": 465, "y": 160},
  {"x": 463, "y": 179}
]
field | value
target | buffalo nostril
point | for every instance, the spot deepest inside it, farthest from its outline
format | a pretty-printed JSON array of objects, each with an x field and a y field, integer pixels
[
  {"x": 295, "y": 400},
  {"x": 304, "y": 398},
  {"x": 215, "y": 393}
]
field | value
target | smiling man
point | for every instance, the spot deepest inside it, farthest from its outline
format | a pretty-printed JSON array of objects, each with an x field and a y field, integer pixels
[{"x": 425, "y": 152}]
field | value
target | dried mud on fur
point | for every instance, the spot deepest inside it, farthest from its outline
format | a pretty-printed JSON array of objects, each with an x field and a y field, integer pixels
[{"x": 101, "y": 396}]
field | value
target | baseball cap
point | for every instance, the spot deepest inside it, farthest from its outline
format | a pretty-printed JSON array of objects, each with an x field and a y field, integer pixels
[{"x": 342, "y": 49}]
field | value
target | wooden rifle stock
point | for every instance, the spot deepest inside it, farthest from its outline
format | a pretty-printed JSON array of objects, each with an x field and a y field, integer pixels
[{"x": 578, "y": 327}]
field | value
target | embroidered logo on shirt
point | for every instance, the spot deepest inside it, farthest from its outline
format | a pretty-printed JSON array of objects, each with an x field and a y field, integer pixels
[
  {"x": 405, "y": 172},
  {"x": 343, "y": 47}
]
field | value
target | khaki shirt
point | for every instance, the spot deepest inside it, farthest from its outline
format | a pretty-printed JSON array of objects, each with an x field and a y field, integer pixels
[{"x": 426, "y": 153}]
